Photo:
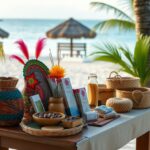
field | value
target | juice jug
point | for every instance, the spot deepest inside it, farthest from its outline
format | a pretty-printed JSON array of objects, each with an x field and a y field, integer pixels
[{"x": 93, "y": 90}]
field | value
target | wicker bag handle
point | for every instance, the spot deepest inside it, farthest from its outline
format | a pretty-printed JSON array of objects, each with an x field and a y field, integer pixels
[
  {"x": 116, "y": 75},
  {"x": 137, "y": 96}
]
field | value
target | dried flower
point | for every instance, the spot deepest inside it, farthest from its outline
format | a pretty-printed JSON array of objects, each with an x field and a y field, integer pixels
[
  {"x": 32, "y": 81},
  {"x": 57, "y": 72}
]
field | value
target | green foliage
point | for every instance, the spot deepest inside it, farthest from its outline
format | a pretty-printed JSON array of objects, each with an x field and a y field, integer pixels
[
  {"x": 123, "y": 21},
  {"x": 135, "y": 64},
  {"x": 123, "y": 25}
]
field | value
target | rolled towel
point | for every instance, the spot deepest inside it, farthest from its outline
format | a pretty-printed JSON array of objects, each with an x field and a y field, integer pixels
[
  {"x": 103, "y": 109},
  {"x": 110, "y": 115}
]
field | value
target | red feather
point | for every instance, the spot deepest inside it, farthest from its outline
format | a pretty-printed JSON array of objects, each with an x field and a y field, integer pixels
[
  {"x": 23, "y": 48},
  {"x": 39, "y": 46},
  {"x": 17, "y": 58}
]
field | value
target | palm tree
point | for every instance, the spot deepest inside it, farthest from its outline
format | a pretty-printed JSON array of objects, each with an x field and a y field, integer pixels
[
  {"x": 142, "y": 13},
  {"x": 135, "y": 64},
  {"x": 123, "y": 21},
  {"x": 139, "y": 17}
]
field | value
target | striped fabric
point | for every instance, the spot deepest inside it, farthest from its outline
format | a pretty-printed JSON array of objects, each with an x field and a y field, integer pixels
[
  {"x": 10, "y": 95},
  {"x": 11, "y": 117}
]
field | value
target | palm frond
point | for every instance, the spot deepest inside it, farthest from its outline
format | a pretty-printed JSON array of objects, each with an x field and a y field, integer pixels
[
  {"x": 127, "y": 53},
  {"x": 127, "y": 6},
  {"x": 129, "y": 58},
  {"x": 104, "y": 6},
  {"x": 122, "y": 25},
  {"x": 110, "y": 53},
  {"x": 131, "y": 3},
  {"x": 141, "y": 57},
  {"x": 147, "y": 78},
  {"x": 135, "y": 64}
]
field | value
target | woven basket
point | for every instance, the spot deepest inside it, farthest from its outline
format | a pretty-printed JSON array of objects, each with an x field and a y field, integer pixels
[
  {"x": 117, "y": 82},
  {"x": 139, "y": 96},
  {"x": 39, "y": 132},
  {"x": 104, "y": 93},
  {"x": 120, "y": 105},
  {"x": 8, "y": 83}
]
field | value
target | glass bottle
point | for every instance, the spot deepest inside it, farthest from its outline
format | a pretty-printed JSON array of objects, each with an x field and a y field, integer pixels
[{"x": 93, "y": 90}]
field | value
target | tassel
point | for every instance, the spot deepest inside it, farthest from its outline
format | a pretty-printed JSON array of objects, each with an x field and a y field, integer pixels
[
  {"x": 23, "y": 48},
  {"x": 17, "y": 58},
  {"x": 39, "y": 46}
]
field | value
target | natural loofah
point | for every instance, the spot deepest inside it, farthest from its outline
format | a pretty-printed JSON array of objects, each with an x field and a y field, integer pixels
[{"x": 120, "y": 105}]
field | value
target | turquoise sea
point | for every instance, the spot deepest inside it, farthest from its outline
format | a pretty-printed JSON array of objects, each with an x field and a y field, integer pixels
[{"x": 30, "y": 30}]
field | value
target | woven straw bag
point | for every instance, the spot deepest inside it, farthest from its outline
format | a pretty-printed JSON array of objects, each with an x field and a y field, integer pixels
[
  {"x": 104, "y": 93},
  {"x": 139, "y": 96},
  {"x": 117, "y": 82}
]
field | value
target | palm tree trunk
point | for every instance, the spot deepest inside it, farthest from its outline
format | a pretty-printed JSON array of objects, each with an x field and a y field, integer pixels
[{"x": 142, "y": 13}]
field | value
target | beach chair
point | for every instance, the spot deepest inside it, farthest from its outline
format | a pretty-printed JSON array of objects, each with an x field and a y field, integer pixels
[{"x": 78, "y": 49}]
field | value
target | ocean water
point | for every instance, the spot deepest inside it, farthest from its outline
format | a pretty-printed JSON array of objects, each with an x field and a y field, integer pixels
[{"x": 30, "y": 30}]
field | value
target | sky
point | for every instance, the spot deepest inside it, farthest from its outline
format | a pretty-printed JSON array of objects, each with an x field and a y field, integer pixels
[{"x": 50, "y": 9}]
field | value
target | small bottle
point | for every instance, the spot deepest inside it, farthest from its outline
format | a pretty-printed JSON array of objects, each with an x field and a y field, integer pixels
[{"x": 93, "y": 90}]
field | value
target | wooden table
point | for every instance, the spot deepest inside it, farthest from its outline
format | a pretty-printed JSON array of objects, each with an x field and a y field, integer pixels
[
  {"x": 14, "y": 137},
  {"x": 17, "y": 139}
]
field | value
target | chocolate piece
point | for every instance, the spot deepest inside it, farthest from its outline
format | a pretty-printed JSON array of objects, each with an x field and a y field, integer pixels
[{"x": 48, "y": 115}]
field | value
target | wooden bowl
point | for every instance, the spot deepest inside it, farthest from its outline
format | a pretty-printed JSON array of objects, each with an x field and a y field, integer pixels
[{"x": 48, "y": 121}]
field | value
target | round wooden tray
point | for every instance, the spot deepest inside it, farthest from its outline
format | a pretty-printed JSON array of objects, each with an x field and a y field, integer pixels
[{"x": 38, "y": 132}]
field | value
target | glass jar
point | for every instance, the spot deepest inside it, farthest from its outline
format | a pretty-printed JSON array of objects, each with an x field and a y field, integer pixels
[{"x": 93, "y": 90}]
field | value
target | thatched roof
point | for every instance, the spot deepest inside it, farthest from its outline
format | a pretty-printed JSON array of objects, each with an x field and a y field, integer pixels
[
  {"x": 3, "y": 34},
  {"x": 71, "y": 29}
]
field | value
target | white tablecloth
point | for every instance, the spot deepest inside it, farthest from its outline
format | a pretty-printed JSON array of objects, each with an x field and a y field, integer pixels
[{"x": 117, "y": 133}]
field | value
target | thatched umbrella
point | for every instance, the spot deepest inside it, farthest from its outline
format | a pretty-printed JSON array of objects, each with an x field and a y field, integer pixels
[
  {"x": 3, "y": 34},
  {"x": 71, "y": 29}
]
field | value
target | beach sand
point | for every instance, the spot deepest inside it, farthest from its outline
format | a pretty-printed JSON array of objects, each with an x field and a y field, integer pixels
[{"x": 76, "y": 70}]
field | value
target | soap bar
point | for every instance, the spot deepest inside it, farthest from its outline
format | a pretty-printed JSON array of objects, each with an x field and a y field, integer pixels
[
  {"x": 103, "y": 109},
  {"x": 91, "y": 115}
]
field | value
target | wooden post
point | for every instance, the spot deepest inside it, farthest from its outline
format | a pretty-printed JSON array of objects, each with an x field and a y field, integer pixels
[
  {"x": 71, "y": 47},
  {"x": 143, "y": 142}
]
